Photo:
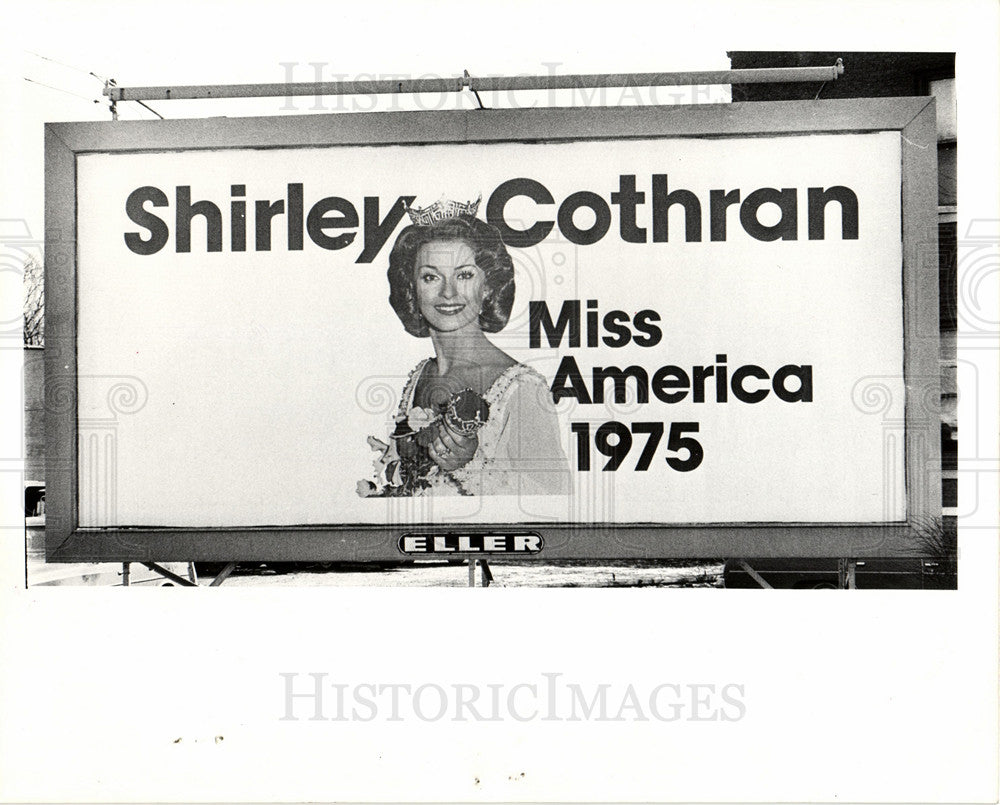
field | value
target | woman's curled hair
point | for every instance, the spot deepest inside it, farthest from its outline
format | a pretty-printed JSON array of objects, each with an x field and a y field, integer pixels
[{"x": 491, "y": 257}]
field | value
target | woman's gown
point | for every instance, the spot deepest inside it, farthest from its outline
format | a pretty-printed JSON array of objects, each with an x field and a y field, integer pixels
[{"x": 520, "y": 452}]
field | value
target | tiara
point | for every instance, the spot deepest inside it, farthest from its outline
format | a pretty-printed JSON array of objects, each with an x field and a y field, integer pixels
[{"x": 442, "y": 210}]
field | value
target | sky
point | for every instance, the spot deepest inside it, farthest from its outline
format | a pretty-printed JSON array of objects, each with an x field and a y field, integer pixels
[
  {"x": 145, "y": 44},
  {"x": 65, "y": 51},
  {"x": 71, "y": 47}
]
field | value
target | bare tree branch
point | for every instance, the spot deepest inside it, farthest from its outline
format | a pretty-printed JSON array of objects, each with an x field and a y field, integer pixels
[{"x": 34, "y": 303}]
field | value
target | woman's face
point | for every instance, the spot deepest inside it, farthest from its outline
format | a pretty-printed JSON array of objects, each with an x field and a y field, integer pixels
[{"x": 450, "y": 286}]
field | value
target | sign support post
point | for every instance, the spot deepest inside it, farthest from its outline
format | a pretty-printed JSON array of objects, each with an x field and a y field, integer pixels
[
  {"x": 487, "y": 573},
  {"x": 847, "y": 574}
]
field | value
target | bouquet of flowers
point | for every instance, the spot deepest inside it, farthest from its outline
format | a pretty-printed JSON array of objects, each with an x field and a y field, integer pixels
[{"x": 404, "y": 466}]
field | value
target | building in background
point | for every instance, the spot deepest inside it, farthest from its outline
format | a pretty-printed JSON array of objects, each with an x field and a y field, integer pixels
[{"x": 884, "y": 75}]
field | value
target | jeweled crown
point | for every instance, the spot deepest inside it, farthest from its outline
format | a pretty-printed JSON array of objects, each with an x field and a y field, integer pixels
[{"x": 441, "y": 210}]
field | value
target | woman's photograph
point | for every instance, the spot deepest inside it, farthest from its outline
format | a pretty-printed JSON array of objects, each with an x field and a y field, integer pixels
[{"x": 471, "y": 420}]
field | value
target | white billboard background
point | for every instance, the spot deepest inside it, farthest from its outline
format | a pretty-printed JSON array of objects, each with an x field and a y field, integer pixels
[{"x": 265, "y": 372}]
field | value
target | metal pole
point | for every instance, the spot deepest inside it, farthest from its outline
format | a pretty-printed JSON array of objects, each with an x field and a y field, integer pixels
[
  {"x": 754, "y": 575},
  {"x": 183, "y": 582},
  {"x": 768, "y": 75},
  {"x": 847, "y": 571},
  {"x": 109, "y": 86},
  {"x": 223, "y": 574}
]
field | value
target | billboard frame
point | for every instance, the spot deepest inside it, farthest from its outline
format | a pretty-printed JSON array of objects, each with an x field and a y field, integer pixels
[{"x": 913, "y": 118}]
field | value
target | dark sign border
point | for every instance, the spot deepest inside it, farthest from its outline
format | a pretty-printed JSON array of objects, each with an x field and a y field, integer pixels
[{"x": 913, "y": 118}]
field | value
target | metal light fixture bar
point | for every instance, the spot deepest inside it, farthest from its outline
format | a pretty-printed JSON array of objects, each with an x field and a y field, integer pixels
[{"x": 770, "y": 75}]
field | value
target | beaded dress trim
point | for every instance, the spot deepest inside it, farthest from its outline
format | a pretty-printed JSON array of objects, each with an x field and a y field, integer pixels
[{"x": 479, "y": 473}]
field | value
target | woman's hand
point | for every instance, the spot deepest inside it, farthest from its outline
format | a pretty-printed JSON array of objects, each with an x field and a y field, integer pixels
[{"x": 452, "y": 450}]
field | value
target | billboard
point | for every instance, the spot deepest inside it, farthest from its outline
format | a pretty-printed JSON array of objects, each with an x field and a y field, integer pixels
[{"x": 565, "y": 333}]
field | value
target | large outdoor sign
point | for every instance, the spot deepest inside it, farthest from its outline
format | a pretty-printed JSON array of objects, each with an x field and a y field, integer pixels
[{"x": 544, "y": 333}]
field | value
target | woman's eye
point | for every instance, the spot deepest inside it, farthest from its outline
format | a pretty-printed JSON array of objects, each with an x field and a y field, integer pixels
[
  {"x": 428, "y": 277},
  {"x": 466, "y": 275}
]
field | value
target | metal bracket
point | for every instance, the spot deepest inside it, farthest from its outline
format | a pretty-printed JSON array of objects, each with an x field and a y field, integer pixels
[{"x": 110, "y": 85}]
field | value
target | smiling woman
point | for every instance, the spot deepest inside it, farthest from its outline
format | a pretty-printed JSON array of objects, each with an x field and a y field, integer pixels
[
  {"x": 450, "y": 286},
  {"x": 471, "y": 420}
]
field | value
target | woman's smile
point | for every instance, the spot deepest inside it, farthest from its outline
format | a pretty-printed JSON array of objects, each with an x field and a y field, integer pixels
[{"x": 450, "y": 286}]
